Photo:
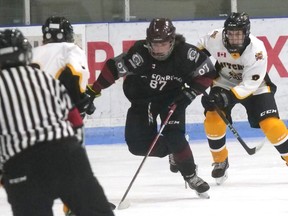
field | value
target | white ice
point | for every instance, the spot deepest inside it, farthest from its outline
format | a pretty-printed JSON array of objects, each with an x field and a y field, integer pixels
[{"x": 256, "y": 185}]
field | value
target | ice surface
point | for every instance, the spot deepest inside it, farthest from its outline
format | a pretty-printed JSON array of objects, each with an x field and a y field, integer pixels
[{"x": 256, "y": 185}]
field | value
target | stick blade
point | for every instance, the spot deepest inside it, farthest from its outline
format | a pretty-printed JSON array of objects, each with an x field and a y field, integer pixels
[
  {"x": 256, "y": 148},
  {"x": 123, "y": 205},
  {"x": 204, "y": 195},
  {"x": 259, "y": 147}
]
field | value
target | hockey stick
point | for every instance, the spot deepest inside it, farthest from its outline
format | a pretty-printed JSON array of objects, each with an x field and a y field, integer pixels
[
  {"x": 249, "y": 150},
  {"x": 123, "y": 204}
]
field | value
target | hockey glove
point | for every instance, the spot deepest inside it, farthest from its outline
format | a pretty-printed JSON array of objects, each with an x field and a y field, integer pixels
[
  {"x": 91, "y": 107},
  {"x": 186, "y": 97},
  {"x": 220, "y": 99},
  {"x": 83, "y": 104}
]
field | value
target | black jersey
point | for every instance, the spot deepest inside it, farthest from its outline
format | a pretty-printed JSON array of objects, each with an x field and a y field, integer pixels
[
  {"x": 152, "y": 80},
  {"x": 149, "y": 79},
  {"x": 34, "y": 108}
]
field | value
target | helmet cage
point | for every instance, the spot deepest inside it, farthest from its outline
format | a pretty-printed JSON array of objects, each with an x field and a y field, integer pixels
[{"x": 236, "y": 21}]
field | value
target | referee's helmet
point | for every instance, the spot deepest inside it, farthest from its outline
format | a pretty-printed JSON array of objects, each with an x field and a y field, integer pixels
[{"x": 15, "y": 49}]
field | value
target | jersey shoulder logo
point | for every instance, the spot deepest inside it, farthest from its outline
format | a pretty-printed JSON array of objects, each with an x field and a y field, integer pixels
[
  {"x": 259, "y": 56},
  {"x": 192, "y": 54},
  {"x": 137, "y": 60},
  {"x": 213, "y": 35}
]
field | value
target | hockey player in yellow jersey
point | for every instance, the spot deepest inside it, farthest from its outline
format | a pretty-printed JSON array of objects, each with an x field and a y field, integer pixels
[
  {"x": 66, "y": 61},
  {"x": 241, "y": 62},
  {"x": 63, "y": 59}
]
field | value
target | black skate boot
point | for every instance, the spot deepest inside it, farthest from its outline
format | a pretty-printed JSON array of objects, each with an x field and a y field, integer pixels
[
  {"x": 219, "y": 171},
  {"x": 173, "y": 165},
  {"x": 198, "y": 184}
]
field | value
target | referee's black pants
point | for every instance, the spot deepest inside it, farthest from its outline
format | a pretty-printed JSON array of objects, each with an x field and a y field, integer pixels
[{"x": 36, "y": 177}]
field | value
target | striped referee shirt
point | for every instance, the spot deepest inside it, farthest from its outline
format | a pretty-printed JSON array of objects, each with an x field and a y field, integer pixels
[{"x": 34, "y": 108}]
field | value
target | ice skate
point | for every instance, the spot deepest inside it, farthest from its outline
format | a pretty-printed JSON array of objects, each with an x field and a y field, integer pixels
[
  {"x": 199, "y": 185},
  {"x": 219, "y": 171}
]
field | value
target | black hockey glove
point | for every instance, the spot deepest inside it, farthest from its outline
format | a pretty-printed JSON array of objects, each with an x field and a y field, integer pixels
[
  {"x": 83, "y": 104},
  {"x": 91, "y": 107},
  {"x": 219, "y": 99},
  {"x": 186, "y": 97}
]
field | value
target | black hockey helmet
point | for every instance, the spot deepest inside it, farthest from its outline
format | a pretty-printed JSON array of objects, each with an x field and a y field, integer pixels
[
  {"x": 15, "y": 49},
  {"x": 160, "y": 30},
  {"x": 237, "y": 21},
  {"x": 57, "y": 29}
]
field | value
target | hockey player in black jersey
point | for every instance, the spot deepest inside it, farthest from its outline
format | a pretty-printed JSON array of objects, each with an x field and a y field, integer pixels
[{"x": 160, "y": 71}]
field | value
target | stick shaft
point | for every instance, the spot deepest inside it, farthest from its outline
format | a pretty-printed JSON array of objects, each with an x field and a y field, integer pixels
[{"x": 171, "y": 111}]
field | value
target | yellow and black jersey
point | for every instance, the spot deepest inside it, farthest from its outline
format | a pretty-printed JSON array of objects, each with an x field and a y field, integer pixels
[{"x": 66, "y": 62}]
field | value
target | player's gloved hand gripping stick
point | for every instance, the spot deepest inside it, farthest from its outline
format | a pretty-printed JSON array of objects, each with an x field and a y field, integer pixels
[{"x": 249, "y": 150}]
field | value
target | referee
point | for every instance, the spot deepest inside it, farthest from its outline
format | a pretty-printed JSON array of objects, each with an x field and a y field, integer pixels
[{"x": 41, "y": 156}]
